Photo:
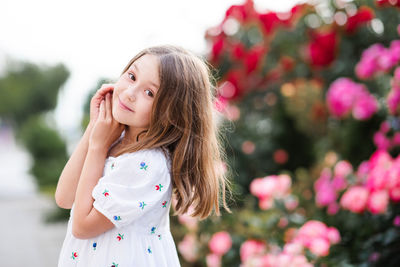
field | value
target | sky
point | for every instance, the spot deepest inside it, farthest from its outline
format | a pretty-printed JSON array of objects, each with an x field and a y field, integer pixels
[{"x": 96, "y": 39}]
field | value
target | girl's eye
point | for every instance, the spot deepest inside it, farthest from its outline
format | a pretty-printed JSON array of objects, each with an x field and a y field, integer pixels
[
  {"x": 130, "y": 74},
  {"x": 150, "y": 92},
  {"x": 132, "y": 77}
]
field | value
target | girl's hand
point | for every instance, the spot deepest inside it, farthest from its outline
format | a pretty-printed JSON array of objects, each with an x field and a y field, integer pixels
[
  {"x": 96, "y": 100},
  {"x": 106, "y": 129}
]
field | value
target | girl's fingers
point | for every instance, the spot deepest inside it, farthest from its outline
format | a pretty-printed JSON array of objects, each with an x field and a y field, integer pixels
[
  {"x": 103, "y": 91},
  {"x": 107, "y": 107},
  {"x": 105, "y": 88},
  {"x": 101, "y": 111}
]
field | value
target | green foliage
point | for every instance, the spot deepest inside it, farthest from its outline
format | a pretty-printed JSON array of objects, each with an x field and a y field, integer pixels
[
  {"x": 47, "y": 149},
  {"x": 29, "y": 89}
]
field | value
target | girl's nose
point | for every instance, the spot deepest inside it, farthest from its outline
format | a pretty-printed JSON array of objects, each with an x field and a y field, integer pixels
[{"x": 131, "y": 93}]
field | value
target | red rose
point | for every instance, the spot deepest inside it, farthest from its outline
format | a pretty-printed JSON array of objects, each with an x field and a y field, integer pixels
[
  {"x": 268, "y": 21},
  {"x": 238, "y": 50},
  {"x": 287, "y": 63},
  {"x": 217, "y": 48},
  {"x": 388, "y": 3},
  {"x": 363, "y": 15},
  {"x": 322, "y": 48},
  {"x": 240, "y": 12},
  {"x": 234, "y": 79},
  {"x": 253, "y": 57}
]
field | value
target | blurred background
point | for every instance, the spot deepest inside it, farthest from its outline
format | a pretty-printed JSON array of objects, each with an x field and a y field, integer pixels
[{"x": 309, "y": 96}]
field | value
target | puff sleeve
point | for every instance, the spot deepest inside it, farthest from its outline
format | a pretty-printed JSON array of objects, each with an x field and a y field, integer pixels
[{"x": 132, "y": 185}]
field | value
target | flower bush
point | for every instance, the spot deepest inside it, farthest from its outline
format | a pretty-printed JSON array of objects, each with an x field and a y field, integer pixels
[{"x": 313, "y": 94}]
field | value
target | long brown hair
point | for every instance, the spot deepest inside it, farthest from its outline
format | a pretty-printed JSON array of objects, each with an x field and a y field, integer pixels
[{"x": 184, "y": 122}]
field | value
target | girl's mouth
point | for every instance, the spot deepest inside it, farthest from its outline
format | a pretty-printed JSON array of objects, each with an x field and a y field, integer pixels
[{"x": 124, "y": 106}]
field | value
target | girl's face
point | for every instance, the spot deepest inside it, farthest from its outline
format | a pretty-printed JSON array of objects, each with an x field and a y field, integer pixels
[{"x": 135, "y": 91}]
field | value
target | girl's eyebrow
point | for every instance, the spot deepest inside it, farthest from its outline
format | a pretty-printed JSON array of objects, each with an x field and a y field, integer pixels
[{"x": 152, "y": 83}]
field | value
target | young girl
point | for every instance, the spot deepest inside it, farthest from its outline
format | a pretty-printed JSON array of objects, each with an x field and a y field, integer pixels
[{"x": 152, "y": 135}]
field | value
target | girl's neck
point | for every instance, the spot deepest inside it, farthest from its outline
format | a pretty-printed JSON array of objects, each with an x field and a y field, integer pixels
[{"x": 131, "y": 135}]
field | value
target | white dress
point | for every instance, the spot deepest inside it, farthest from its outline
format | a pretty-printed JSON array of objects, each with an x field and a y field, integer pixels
[{"x": 134, "y": 193}]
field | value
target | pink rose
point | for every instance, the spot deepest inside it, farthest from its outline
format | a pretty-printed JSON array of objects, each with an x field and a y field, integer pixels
[
  {"x": 339, "y": 183},
  {"x": 343, "y": 168},
  {"x": 333, "y": 235},
  {"x": 365, "y": 68},
  {"x": 378, "y": 202},
  {"x": 365, "y": 106},
  {"x": 380, "y": 141},
  {"x": 396, "y": 74},
  {"x": 386, "y": 60},
  {"x": 291, "y": 202},
  {"x": 187, "y": 220},
  {"x": 393, "y": 100},
  {"x": 293, "y": 248},
  {"x": 395, "y": 194},
  {"x": 384, "y": 127},
  {"x": 232, "y": 112},
  {"x": 333, "y": 208},
  {"x": 340, "y": 97},
  {"x": 263, "y": 187},
  {"x": 377, "y": 178},
  {"x": 368, "y": 65},
  {"x": 220, "y": 243},
  {"x": 220, "y": 103},
  {"x": 323, "y": 179},
  {"x": 345, "y": 95},
  {"x": 187, "y": 247},
  {"x": 393, "y": 174},
  {"x": 396, "y": 221},
  {"x": 283, "y": 185},
  {"x": 319, "y": 247},
  {"x": 311, "y": 230},
  {"x": 267, "y": 260},
  {"x": 251, "y": 248},
  {"x": 300, "y": 261},
  {"x": 395, "y": 51},
  {"x": 355, "y": 199},
  {"x": 396, "y": 139},
  {"x": 325, "y": 195},
  {"x": 270, "y": 187},
  {"x": 213, "y": 260},
  {"x": 266, "y": 203},
  {"x": 363, "y": 169},
  {"x": 380, "y": 158}
]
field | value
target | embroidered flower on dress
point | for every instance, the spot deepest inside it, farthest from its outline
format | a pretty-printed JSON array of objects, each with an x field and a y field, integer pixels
[
  {"x": 158, "y": 187},
  {"x": 74, "y": 255},
  {"x": 114, "y": 264},
  {"x": 112, "y": 165},
  {"x": 149, "y": 250},
  {"x": 105, "y": 193},
  {"x": 159, "y": 237},
  {"x": 120, "y": 237},
  {"x": 142, "y": 204},
  {"x": 117, "y": 218},
  {"x": 143, "y": 165},
  {"x": 94, "y": 245},
  {"x": 153, "y": 229},
  {"x": 164, "y": 204}
]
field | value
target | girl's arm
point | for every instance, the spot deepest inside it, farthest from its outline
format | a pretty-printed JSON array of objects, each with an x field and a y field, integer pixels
[
  {"x": 68, "y": 181},
  {"x": 87, "y": 221}
]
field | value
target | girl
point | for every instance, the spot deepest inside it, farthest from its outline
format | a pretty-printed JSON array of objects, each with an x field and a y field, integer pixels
[{"x": 151, "y": 135}]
